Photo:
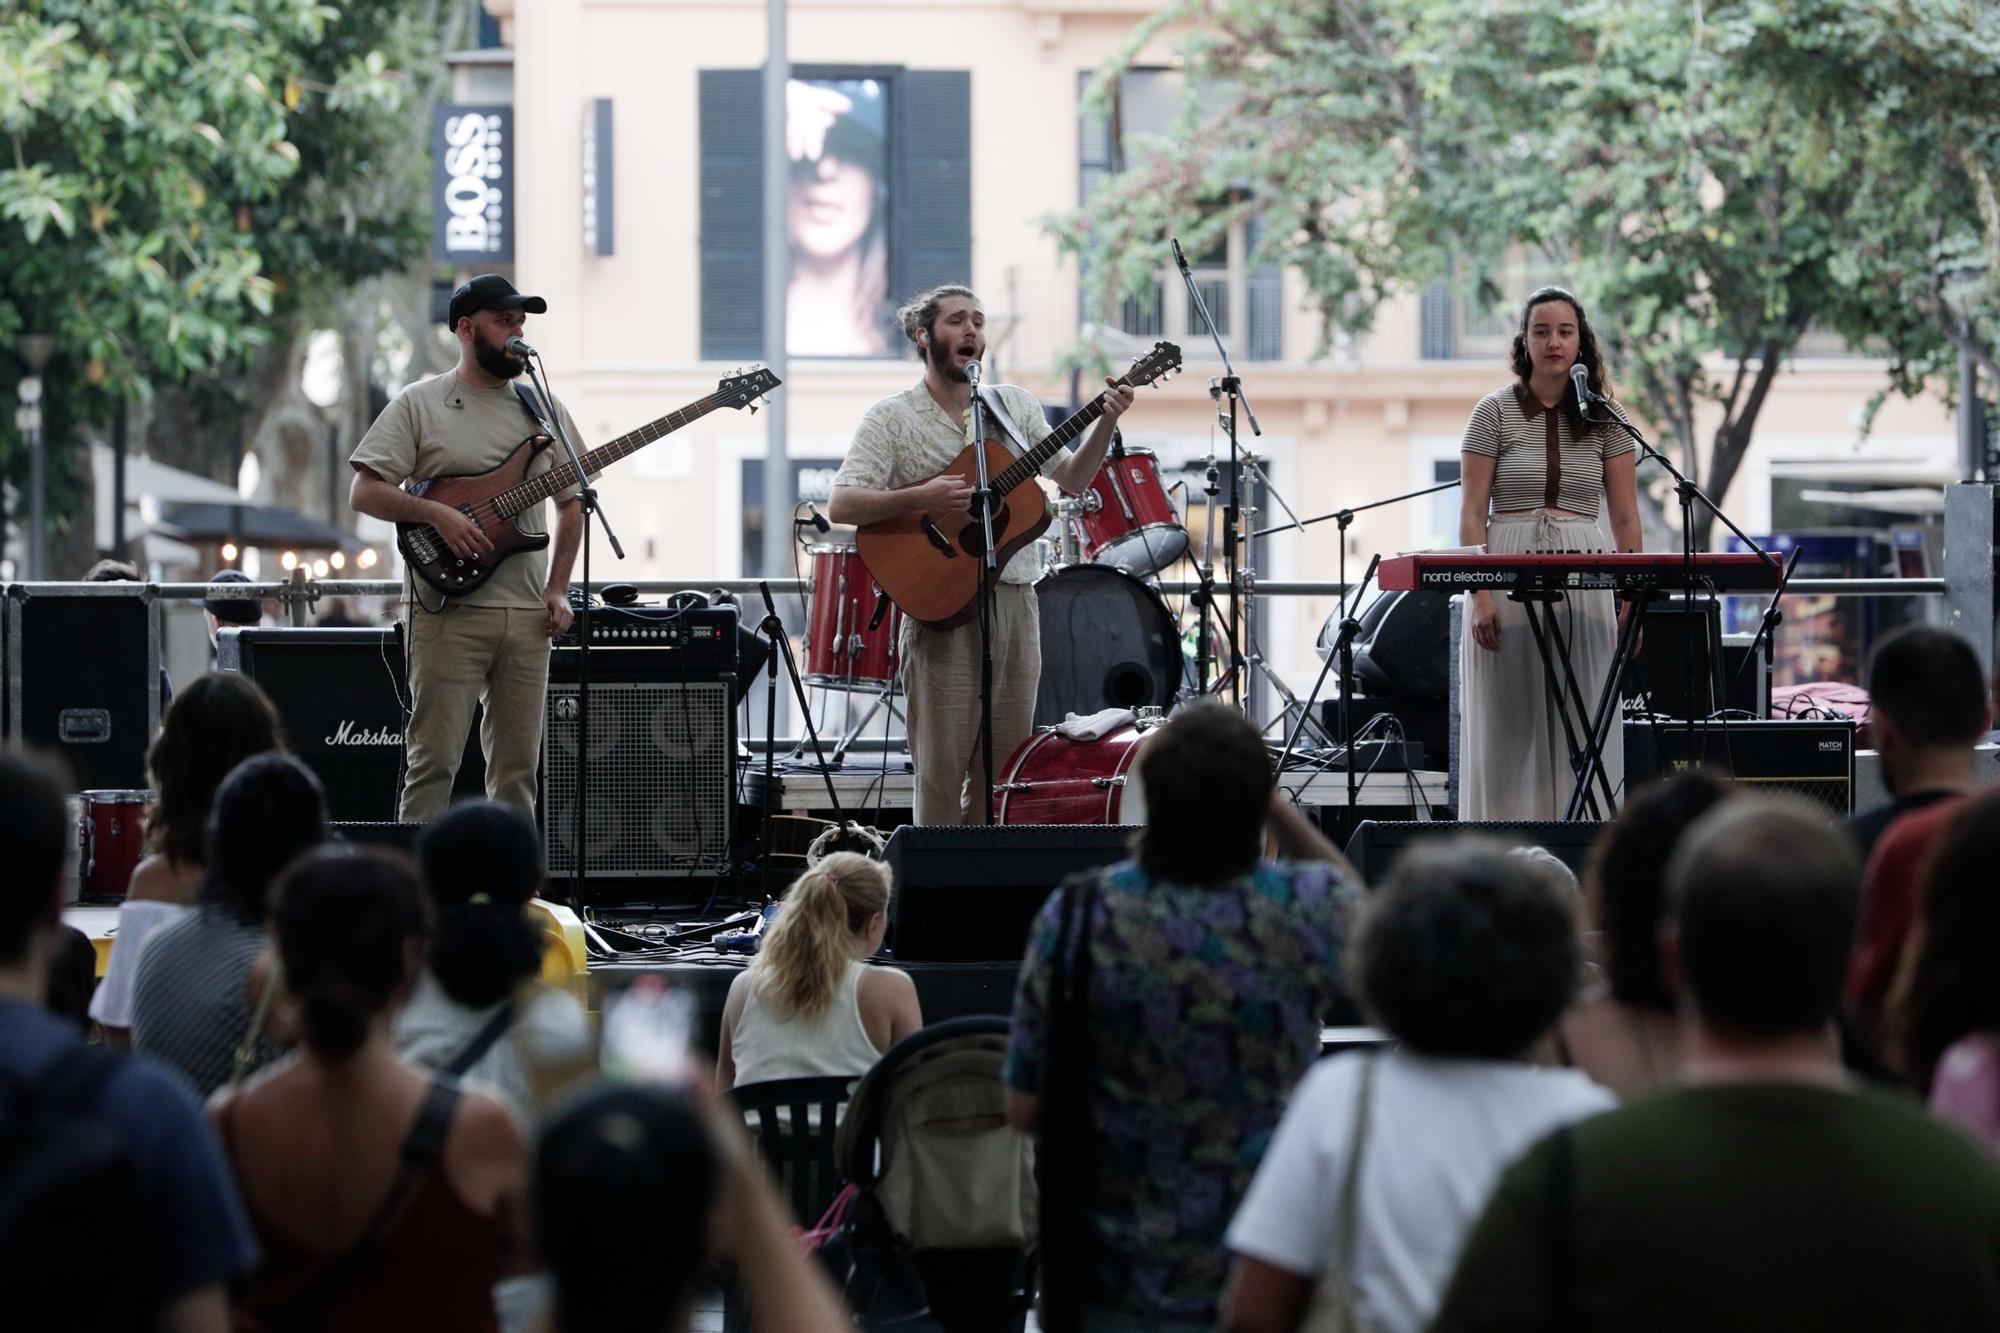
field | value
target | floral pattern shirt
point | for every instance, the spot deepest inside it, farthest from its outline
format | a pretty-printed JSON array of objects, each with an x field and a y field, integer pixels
[{"x": 1205, "y": 1009}]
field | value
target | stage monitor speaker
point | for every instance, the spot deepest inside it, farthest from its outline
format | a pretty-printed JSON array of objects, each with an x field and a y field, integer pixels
[
  {"x": 968, "y": 893},
  {"x": 1656, "y": 681},
  {"x": 1401, "y": 650},
  {"x": 1378, "y": 843},
  {"x": 662, "y": 773},
  {"x": 341, "y": 694},
  {"x": 83, "y": 677},
  {"x": 1813, "y": 759}
]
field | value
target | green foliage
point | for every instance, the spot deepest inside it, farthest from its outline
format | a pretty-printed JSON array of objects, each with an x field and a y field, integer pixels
[
  {"x": 1713, "y": 179},
  {"x": 177, "y": 178}
]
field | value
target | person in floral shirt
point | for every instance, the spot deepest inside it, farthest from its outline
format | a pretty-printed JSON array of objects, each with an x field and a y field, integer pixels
[{"x": 1189, "y": 986}]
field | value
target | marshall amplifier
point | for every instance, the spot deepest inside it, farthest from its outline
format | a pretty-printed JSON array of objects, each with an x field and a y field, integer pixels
[
  {"x": 1813, "y": 759},
  {"x": 341, "y": 694}
]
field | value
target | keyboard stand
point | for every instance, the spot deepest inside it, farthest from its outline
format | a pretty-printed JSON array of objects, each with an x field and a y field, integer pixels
[{"x": 1584, "y": 731}]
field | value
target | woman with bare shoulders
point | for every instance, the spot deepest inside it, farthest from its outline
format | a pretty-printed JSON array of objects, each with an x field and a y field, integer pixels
[{"x": 383, "y": 1196}]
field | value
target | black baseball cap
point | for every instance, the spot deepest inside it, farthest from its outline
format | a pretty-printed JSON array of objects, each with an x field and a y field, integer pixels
[{"x": 490, "y": 291}]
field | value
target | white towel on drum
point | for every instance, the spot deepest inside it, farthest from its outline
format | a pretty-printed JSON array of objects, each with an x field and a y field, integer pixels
[{"x": 1095, "y": 726}]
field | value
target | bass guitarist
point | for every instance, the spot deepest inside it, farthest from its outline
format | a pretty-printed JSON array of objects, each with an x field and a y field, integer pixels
[
  {"x": 892, "y": 468},
  {"x": 491, "y": 643}
]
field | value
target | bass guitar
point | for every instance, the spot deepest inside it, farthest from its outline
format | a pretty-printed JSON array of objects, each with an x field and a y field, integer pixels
[
  {"x": 495, "y": 499},
  {"x": 928, "y": 563}
]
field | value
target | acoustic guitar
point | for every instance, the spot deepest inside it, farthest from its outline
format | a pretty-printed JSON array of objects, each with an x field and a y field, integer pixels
[
  {"x": 495, "y": 499},
  {"x": 928, "y": 563}
]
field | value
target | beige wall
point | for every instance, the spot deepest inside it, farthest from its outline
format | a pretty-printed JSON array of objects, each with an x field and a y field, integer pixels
[{"x": 621, "y": 335}]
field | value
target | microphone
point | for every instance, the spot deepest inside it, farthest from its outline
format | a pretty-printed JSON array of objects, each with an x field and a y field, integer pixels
[
  {"x": 817, "y": 519},
  {"x": 1579, "y": 375},
  {"x": 520, "y": 348},
  {"x": 1180, "y": 258},
  {"x": 972, "y": 373}
]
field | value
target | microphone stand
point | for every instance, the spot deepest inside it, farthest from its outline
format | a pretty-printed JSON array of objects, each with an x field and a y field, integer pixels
[
  {"x": 781, "y": 646},
  {"x": 989, "y": 580},
  {"x": 1349, "y": 626},
  {"x": 1231, "y": 385},
  {"x": 586, "y": 495},
  {"x": 1688, "y": 494}
]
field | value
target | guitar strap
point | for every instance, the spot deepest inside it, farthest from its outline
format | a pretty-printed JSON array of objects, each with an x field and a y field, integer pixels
[{"x": 533, "y": 404}]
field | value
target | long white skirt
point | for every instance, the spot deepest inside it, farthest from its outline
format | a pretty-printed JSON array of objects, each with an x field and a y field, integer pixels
[{"x": 1514, "y": 760}]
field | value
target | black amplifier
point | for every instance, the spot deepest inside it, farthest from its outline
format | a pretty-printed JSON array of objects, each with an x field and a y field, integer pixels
[{"x": 699, "y": 638}]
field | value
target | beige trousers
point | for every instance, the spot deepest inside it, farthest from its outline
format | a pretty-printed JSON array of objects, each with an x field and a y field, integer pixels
[
  {"x": 495, "y": 655},
  {"x": 941, "y": 703}
]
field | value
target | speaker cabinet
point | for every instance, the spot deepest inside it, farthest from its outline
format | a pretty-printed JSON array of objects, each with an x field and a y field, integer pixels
[
  {"x": 83, "y": 676},
  {"x": 1812, "y": 758},
  {"x": 1378, "y": 843},
  {"x": 968, "y": 893},
  {"x": 661, "y": 787},
  {"x": 341, "y": 693}
]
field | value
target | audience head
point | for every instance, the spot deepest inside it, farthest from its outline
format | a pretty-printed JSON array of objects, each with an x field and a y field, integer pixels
[
  {"x": 1625, "y": 882},
  {"x": 349, "y": 923},
  {"x": 1925, "y": 692},
  {"x": 268, "y": 811},
  {"x": 213, "y": 724},
  {"x": 625, "y": 1180},
  {"x": 1950, "y": 983},
  {"x": 482, "y": 862},
  {"x": 1207, "y": 777},
  {"x": 33, "y": 838},
  {"x": 1468, "y": 950},
  {"x": 112, "y": 571},
  {"x": 1765, "y": 893},
  {"x": 837, "y": 910},
  {"x": 231, "y": 610}
]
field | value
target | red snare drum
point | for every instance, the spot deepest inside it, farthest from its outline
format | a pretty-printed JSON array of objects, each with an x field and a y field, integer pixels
[
  {"x": 841, "y": 651},
  {"x": 111, "y": 838},
  {"x": 1052, "y": 779},
  {"x": 1131, "y": 525}
]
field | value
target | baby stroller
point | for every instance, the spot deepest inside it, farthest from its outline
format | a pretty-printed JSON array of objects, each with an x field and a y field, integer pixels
[{"x": 943, "y": 1178}]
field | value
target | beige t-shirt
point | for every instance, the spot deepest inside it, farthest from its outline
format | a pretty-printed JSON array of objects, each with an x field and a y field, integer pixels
[
  {"x": 444, "y": 427},
  {"x": 908, "y": 438}
]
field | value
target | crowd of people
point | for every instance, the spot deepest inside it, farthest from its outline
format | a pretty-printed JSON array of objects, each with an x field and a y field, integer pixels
[{"x": 1743, "y": 1073}]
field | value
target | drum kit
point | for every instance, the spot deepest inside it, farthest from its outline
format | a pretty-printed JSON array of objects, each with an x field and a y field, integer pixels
[{"x": 1109, "y": 639}]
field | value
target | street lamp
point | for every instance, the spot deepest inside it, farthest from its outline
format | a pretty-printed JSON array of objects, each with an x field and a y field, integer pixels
[{"x": 34, "y": 350}]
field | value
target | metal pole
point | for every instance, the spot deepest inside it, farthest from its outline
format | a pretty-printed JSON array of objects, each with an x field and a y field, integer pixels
[
  {"x": 118, "y": 456},
  {"x": 1971, "y": 415},
  {"x": 777, "y": 274}
]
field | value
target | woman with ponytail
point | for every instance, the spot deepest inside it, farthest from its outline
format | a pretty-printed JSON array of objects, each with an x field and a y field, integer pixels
[
  {"x": 383, "y": 1196},
  {"x": 479, "y": 1010},
  {"x": 809, "y": 1005}
]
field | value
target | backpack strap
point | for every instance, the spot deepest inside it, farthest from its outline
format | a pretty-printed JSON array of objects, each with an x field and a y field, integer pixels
[
  {"x": 423, "y": 1149},
  {"x": 482, "y": 1041}
]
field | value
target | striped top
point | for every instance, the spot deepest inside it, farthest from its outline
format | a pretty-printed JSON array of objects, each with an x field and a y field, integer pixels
[
  {"x": 191, "y": 998},
  {"x": 1542, "y": 465}
]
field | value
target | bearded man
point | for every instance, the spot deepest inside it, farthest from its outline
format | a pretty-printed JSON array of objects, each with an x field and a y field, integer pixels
[
  {"x": 490, "y": 645},
  {"x": 892, "y": 468}
]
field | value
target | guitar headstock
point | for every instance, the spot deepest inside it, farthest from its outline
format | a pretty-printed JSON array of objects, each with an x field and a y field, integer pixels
[
  {"x": 746, "y": 387},
  {"x": 1154, "y": 366}
]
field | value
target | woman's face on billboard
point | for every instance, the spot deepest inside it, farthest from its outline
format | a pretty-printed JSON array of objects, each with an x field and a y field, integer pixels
[{"x": 830, "y": 207}]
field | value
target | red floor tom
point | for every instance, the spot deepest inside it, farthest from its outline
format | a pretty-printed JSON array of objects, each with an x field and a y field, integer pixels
[
  {"x": 842, "y": 652},
  {"x": 111, "y": 840},
  {"x": 1051, "y": 779},
  {"x": 1128, "y": 521}
]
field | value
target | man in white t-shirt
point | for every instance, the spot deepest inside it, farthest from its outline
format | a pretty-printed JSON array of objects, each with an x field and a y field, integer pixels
[
  {"x": 1466, "y": 956},
  {"x": 892, "y": 468}
]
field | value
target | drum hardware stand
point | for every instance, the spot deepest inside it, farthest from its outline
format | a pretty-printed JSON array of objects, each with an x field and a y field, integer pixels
[
  {"x": 882, "y": 698},
  {"x": 586, "y": 495},
  {"x": 1229, "y": 384},
  {"x": 1349, "y": 626},
  {"x": 774, "y": 630}
]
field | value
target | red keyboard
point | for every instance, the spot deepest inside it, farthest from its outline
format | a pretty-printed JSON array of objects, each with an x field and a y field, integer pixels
[{"x": 1630, "y": 571}]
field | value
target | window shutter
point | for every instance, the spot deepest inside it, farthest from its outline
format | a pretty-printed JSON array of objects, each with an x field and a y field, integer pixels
[
  {"x": 732, "y": 214},
  {"x": 1436, "y": 342},
  {"x": 1266, "y": 291},
  {"x": 931, "y": 193}
]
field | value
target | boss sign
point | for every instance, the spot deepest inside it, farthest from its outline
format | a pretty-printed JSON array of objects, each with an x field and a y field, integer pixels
[{"x": 472, "y": 194}]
